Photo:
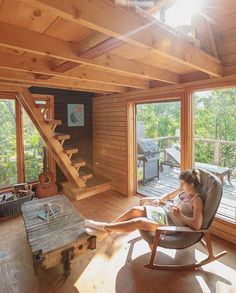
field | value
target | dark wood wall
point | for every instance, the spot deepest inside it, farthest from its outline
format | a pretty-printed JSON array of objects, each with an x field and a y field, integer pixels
[{"x": 81, "y": 136}]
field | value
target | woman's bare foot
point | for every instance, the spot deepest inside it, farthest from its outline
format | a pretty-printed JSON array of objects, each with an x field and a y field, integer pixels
[
  {"x": 94, "y": 225},
  {"x": 98, "y": 233}
]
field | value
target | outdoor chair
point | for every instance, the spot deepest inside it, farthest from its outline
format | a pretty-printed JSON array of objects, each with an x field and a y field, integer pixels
[
  {"x": 173, "y": 237},
  {"x": 172, "y": 159}
]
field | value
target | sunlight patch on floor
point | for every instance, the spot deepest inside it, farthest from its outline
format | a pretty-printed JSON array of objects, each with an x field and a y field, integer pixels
[
  {"x": 104, "y": 266},
  {"x": 203, "y": 284}
]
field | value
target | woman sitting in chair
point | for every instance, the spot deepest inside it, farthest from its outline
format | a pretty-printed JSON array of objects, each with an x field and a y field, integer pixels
[{"x": 183, "y": 207}]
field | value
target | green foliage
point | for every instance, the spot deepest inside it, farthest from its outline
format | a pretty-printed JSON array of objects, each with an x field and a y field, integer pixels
[
  {"x": 214, "y": 119},
  {"x": 160, "y": 120},
  {"x": 32, "y": 146}
]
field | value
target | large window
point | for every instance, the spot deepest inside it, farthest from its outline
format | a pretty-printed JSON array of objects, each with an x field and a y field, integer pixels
[
  {"x": 33, "y": 146},
  {"x": 8, "y": 160},
  {"x": 215, "y": 142},
  {"x": 21, "y": 148}
]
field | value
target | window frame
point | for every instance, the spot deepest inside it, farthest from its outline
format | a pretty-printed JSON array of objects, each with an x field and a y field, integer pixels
[{"x": 20, "y": 135}]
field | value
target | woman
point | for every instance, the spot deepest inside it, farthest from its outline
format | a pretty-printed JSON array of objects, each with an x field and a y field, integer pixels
[{"x": 183, "y": 207}]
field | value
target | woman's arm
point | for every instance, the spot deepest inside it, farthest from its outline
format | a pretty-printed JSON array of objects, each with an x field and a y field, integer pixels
[
  {"x": 171, "y": 195},
  {"x": 195, "y": 222},
  {"x": 162, "y": 200}
]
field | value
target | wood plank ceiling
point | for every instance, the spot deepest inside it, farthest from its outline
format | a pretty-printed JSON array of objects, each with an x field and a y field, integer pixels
[{"x": 102, "y": 47}]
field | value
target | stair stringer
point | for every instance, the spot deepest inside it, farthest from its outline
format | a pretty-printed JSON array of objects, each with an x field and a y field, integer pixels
[{"x": 48, "y": 135}]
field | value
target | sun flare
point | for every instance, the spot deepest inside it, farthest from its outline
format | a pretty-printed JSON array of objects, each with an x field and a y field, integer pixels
[{"x": 182, "y": 11}]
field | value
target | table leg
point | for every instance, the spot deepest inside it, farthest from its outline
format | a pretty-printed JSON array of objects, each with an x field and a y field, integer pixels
[{"x": 67, "y": 256}]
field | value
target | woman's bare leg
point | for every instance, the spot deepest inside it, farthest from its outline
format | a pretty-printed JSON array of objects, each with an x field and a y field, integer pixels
[
  {"x": 130, "y": 225},
  {"x": 135, "y": 212}
]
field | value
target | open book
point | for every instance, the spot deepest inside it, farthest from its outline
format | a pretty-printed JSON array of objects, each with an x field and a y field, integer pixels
[{"x": 157, "y": 214}]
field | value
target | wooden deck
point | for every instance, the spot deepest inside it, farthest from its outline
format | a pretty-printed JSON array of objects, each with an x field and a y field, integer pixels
[{"x": 169, "y": 181}]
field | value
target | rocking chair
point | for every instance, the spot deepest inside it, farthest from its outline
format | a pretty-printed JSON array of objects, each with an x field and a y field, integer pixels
[{"x": 173, "y": 237}]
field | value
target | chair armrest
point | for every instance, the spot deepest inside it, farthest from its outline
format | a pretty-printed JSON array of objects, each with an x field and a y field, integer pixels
[{"x": 179, "y": 229}]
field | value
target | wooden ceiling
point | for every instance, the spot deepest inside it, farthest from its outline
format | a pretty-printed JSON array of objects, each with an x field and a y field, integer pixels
[{"x": 103, "y": 46}]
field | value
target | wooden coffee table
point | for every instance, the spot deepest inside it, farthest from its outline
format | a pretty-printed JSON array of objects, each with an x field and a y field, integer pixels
[{"x": 58, "y": 241}]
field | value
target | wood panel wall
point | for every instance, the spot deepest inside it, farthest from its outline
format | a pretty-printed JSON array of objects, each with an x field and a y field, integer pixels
[
  {"x": 225, "y": 35},
  {"x": 111, "y": 132},
  {"x": 81, "y": 136},
  {"x": 110, "y": 140}
]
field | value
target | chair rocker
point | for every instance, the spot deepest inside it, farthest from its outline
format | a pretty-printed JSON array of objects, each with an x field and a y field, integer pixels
[{"x": 183, "y": 237}]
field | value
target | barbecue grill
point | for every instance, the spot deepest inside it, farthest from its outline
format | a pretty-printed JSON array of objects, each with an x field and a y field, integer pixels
[{"x": 148, "y": 154}]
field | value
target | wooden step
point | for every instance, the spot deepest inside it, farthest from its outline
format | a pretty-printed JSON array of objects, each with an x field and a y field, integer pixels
[
  {"x": 78, "y": 164},
  {"x": 95, "y": 187},
  {"x": 85, "y": 177},
  {"x": 53, "y": 122},
  {"x": 70, "y": 151},
  {"x": 41, "y": 106},
  {"x": 61, "y": 136}
]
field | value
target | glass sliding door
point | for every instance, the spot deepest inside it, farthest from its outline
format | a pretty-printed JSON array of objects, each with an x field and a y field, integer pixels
[
  {"x": 158, "y": 147},
  {"x": 215, "y": 142}
]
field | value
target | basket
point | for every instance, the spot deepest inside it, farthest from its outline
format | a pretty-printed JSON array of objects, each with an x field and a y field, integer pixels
[{"x": 13, "y": 207}]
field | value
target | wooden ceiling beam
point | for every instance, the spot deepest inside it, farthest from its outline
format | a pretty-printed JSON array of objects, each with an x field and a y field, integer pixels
[
  {"x": 102, "y": 48},
  {"x": 27, "y": 78},
  {"x": 43, "y": 68},
  {"x": 21, "y": 39},
  {"x": 105, "y": 17},
  {"x": 158, "y": 5}
]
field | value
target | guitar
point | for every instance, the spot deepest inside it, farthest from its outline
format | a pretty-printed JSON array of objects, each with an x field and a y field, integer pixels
[{"x": 47, "y": 186}]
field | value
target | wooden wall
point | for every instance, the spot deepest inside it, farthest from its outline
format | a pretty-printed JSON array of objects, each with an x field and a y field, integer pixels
[
  {"x": 81, "y": 136},
  {"x": 225, "y": 36},
  {"x": 110, "y": 140}
]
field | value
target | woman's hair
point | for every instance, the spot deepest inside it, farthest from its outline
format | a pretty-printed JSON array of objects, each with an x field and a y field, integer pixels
[{"x": 191, "y": 176}]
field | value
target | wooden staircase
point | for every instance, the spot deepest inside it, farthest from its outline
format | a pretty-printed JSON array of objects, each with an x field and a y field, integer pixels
[{"x": 77, "y": 181}]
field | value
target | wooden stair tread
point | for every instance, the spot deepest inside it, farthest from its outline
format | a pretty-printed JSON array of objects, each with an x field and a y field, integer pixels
[
  {"x": 41, "y": 106},
  {"x": 70, "y": 151},
  {"x": 94, "y": 186},
  {"x": 78, "y": 163},
  {"x": 53, "y": 122},
  {"x": 86, "y": 176},
  {"x": 61, "y": 136}
]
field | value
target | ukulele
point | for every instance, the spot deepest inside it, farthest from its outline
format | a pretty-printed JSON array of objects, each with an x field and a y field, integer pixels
[{"x": 47, "y": 186}]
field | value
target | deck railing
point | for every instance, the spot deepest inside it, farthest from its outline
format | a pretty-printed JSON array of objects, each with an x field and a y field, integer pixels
[{"x": 174, "y": 141}]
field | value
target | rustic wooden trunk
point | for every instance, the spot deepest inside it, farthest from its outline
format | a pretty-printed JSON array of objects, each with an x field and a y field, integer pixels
[{"x": 58, "y": 241}]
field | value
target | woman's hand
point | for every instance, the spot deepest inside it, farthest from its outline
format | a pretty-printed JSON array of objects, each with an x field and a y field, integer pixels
[
  {"x": 150, "y": 201},
  {"x": 175, "y": 211}
]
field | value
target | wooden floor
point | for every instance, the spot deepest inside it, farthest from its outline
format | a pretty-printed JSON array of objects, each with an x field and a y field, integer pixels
[
  {"x": 116, "y": 266},
  {"x": 169, "y": 181}
]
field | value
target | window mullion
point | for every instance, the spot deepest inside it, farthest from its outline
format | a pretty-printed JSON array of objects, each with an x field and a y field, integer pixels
[{"x": 20, "y": 143}]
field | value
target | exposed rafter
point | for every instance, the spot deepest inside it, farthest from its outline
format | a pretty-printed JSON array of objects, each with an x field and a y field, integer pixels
[
  {"x": 28, "y": 79},
  {"x": 22, "y": 39},
  {"x": 43, "y": 68},
  {"x": 134, "y": 30}
]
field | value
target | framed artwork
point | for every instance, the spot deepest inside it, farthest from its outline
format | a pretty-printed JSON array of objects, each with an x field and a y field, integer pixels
[{"x": 75, "y": 115}]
